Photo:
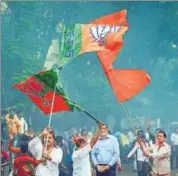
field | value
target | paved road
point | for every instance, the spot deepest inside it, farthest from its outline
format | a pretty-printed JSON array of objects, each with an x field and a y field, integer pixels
[{"x": 128, "y": 171}]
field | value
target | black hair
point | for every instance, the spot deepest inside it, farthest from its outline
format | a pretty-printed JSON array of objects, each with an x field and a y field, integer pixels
[
  {"x": 158, "y": 129},
  {"x": 162, "y": 132},
  {"x": 24, "y": 138},
  {"x": 24, "y": 147},
  {"x": 105, "y": 126},
  {"x": 140, "y": 133},
  {"x": 79, "y": 142},
  {"x": 11, "y": 116},
  {"x": 84, "y": 132},
  {"x": 58, "y": 140}
]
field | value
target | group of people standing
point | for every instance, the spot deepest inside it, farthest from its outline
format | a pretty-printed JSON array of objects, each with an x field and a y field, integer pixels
[
  {"x": 43, "y": 154},
  {"x": 154, "y": 155}
]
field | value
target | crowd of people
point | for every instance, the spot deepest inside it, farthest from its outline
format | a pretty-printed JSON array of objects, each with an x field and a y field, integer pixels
[{"x": 85, "y": 153}]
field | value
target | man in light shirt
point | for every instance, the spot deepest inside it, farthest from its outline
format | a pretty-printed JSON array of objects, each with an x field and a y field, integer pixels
[
  {"x": 142, "y": 160},
  {"x": 174, "y": 140},
  {"x": 160, "y": 153},
  {"x": 24, "y": 125},
  {"x": 106, "y": 153}
]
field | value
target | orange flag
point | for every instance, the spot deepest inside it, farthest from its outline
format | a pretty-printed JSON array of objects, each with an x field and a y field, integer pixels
[
  {"x": 114, "y": 41},
  {"x": 126, "y": 83}
]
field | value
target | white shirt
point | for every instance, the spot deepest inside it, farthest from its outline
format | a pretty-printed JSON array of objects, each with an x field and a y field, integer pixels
[
  {"x": 140, "y": 154},
  {"x": 174, "y": 138},
  {"x": 51, "y": 168},
  {"x": 24, "y": 125},
  {"x": 131, "y": 137},
  {"x": 81, "y": 161}
]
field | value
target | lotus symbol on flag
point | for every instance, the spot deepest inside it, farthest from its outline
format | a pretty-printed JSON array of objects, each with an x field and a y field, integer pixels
[{"x": 99, "y": 32}]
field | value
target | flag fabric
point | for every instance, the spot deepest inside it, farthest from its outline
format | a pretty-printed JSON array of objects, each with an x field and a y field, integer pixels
[
  {"x": 114, "y": 40},
  {"x": 126, "y": 83},
  {"x": 52, "y": 55},
  {"x": 80, "y": 38},
  {"x": 40, "y": 89},
  {"x": 76, "y": 40}
]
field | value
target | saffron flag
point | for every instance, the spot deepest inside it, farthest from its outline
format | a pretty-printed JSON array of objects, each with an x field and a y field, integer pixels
[
  {"x": 80, "y": 38},
  {"x": 126, "y": 83},
  {"x": 40, "y": 88},
  {"x": 114, "y": 40}
]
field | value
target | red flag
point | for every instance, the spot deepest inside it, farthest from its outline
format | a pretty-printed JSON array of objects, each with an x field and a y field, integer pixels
[{"x": 40, "y": 89}]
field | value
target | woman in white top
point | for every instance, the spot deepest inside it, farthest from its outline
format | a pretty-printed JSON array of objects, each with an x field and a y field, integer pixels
[
  {"x": 80, "y": 155},
  {"x": 51, "y": 155}
]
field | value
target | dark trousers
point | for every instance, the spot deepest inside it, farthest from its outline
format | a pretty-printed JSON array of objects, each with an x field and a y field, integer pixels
[
  {"x": 110, "y": 172},
  {"x": 174, "y": 156},
  {"x": 70, "y": 168},
  {"x": 143, "y": 168}
]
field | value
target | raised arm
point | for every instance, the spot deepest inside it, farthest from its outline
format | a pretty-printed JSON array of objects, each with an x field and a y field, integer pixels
[
  {"x": 26, "y": 125},
  {"x": 35, "y": 147},
  {"x": 134, "y": 149},
  {"x": 155, "y": 155},
  {"x": 96, "y": 136}
]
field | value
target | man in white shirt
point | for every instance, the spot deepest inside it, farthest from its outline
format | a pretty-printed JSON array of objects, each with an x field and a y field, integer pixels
[
  {"x": 131, "y": 137},
  {"x": 142, "y": 160},
  {"x": 24, "y": 125},
  {"x": 160, "y": 153},
  {"x": 174, "y": 140},
  {"x": 80, "y": 156}
]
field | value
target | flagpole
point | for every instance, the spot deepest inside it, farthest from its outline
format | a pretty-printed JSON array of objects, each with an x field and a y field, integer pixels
[
  {"x": 127, "y": 117},
  {"x": 132, "y": 126},
  {"x": 52, "y": 105},
  {"x": 91, "y": 116},
  {"x": 50, "y": 117},
  {"x": 83, "y": 110}
]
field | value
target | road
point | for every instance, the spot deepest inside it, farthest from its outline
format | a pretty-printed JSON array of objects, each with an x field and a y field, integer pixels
[{"x": 128, "y": 171}]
